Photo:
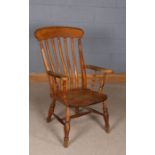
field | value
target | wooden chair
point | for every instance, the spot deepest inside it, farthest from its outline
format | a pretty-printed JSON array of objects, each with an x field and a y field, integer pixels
[{"x": 62, "y": 54}]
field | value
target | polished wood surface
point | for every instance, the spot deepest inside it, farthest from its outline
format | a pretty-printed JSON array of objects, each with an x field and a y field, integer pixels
[
  {"x": 58, "y": 31},
  {"x": 62, "y": 54}
]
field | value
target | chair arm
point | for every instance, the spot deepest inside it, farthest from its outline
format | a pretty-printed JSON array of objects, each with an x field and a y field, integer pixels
[
  {"x": 96, "y": 68},
  {"x": 63, "y": 78},
  {"x": 57, "y": 75}
]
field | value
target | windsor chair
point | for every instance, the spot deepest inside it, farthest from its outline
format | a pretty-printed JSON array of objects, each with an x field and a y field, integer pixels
[{"x": 62, "y": 54}]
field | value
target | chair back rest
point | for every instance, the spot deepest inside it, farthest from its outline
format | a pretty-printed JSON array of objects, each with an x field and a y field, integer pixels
[{"x": 61, "y": 50}]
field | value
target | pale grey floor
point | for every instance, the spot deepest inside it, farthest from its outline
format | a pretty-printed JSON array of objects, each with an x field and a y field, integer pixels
[{"x": 87, "y": 136}]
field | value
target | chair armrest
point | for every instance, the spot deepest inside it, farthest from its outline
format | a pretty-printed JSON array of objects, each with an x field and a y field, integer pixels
[
  {"x": 63, "y": 78},
  {"x": 57, "y": 75},
  {"x": 96, "y": 68}
]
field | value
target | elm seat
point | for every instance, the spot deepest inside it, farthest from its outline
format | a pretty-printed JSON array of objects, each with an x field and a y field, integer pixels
[{"x": 82, "y": 97}]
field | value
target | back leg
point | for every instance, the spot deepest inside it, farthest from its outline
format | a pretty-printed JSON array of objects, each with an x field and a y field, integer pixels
[
  {"x": 67, "y": 127},
  {"x": 106, "y": 118},
  {"x": 76, "y": 110},
  {"x": 51, "y": 111}
]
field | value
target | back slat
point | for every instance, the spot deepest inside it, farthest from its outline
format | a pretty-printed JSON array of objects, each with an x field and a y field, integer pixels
[
  {"x": 68, "y": 63},
  {"x": 44, "y": 56},
  {"x": 55, "y": 55},
  {"x": 61, "y": 56},
  {"x": 74, "y": 62},
  {"x": 49, "y": 55},
  {"x": 82, "y": 65},
  {"x": 51, "y": 80}
]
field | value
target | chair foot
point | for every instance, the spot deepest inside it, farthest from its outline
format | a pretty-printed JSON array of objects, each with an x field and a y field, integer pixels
[
  {"x": 66, "y": 142},
  {"x": 107, "y": 129},
  {"x": 50, "y": 111},
  {"x": 48, "y": 120},
  {"x": 67, "y": 127},
  {"x": 106, "y": 118}
]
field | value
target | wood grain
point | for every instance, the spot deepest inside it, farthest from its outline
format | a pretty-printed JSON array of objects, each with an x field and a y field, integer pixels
[{"x": 58, "y": 31}]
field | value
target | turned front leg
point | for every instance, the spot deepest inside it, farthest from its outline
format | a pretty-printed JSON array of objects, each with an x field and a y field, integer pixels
[
  {"x": 51, "y": 111},
  {"x": 67, "y": 127},
  {"x": 106, "y": 117}
]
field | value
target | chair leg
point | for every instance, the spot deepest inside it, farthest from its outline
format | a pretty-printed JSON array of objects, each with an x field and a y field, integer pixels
[
  {"x": 76, "y": 110},
  {"x": 67, "y": 127},
  {"x": 106, "y": 118},
  {"x": 51, "y": 111}
]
